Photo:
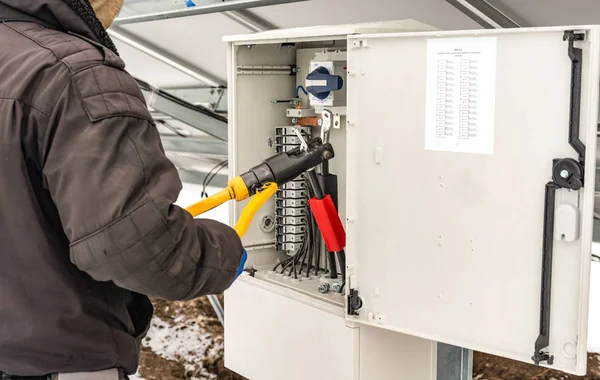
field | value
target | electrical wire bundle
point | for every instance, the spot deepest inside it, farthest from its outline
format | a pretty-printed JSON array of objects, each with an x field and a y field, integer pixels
[{"x": 306, "y": 260}]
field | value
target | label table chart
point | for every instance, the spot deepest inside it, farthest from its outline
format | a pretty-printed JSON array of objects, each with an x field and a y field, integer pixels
[{"x": 461, "y": 75}]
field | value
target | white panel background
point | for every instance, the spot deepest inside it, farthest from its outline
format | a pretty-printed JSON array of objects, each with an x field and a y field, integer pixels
[
  {"x": 269, "y": 336},
  {"x": 482, "y": 289}
]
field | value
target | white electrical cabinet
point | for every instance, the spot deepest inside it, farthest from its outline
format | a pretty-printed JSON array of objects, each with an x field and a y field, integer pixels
[{"x": 465, "y": 166}]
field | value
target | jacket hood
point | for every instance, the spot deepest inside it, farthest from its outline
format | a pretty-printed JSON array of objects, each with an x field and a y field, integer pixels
[{"x": 76, "y": 16}]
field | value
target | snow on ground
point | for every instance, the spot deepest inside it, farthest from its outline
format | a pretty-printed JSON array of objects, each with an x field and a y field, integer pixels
[{"x": 183, "y": 341}]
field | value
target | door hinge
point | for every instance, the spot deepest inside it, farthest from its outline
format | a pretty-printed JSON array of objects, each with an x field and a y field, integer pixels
[
  {"x": 567, "y": 173},
  {"x": 354, "y": 302}
]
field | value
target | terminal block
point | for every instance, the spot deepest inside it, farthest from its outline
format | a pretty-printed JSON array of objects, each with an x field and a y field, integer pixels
[{"x": 291, "y": 202}]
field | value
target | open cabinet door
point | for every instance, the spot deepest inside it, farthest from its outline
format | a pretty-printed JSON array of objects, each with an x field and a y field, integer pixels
[{"x": 471, "y": 161}]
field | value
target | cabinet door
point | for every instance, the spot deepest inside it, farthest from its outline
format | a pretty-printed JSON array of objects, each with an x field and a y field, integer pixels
[{"x": 471, "y": 161}]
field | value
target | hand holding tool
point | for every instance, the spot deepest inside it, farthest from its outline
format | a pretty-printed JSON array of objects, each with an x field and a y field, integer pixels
[{"x": 262, "y": 181}]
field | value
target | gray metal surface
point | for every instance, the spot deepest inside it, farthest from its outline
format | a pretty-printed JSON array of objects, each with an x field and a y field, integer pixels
[
  {"x": 201, "y": 9},
  {"x": 249, "y": 20},
  {"x": 486, "y": 14},
  {"x": 454, "y": 363},
  {"x": 554, "y": 12},
  {"x": 212, "y": 98},
  {"x": 194, "y": 145},
  {"x": 164, "y": 57},
  {"x": 217, "y": 307},
  {"x": 188, "y": 113}
]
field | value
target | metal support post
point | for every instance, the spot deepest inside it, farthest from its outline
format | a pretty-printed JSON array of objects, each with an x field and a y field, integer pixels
[
  {"x": 454, "y": 363},
  {"x": 217, "y": 307}
]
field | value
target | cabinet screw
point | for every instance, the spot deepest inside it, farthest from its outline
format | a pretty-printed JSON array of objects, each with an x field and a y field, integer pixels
[
  {"x": 324, "y": 288},
  {"x": 337, "y": 287}
]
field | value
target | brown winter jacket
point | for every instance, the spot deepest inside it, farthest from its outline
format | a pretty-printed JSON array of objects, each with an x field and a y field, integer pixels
[{"x": 87, "y": 221}]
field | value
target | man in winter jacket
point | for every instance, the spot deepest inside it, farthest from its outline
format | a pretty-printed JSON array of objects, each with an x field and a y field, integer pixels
[{"x": 88, "y": 228}]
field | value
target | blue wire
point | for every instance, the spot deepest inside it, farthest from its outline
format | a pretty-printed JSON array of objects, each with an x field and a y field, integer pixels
[{"x": 298, "y": 91}]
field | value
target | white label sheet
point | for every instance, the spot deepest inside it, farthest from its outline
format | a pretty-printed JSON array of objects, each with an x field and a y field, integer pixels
[{"x": 461, "y": 87}]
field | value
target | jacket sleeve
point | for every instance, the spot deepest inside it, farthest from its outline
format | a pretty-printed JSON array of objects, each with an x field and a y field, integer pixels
[{"x": 115, "y": 189}]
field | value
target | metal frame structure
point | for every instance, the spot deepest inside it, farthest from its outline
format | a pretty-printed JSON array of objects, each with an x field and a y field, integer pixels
[
  {"x": 194, "y": 145},
  {"x": 248, "y": 19},
  {"x": 164, "y": 57},
  {"x": 196, "y": 116},
  {"x": 216, "y": 7},
  {"x": 487, "y": 14},
  {"x": 454, "y": 363},
  {"x": 213, "y": 98}
]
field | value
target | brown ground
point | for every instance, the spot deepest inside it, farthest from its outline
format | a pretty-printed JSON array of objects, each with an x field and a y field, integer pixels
[
  {"x": 485, "y": 367},
  {"x": 154, "y": 367}
]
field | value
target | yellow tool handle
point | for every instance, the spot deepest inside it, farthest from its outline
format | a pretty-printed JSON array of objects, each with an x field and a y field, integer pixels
[
  {"x": 253, "y": 206},
  {"x": 211, "y": 202},
  {"x": 236, "y": 189},
  {"x": 229, "y": 193}
]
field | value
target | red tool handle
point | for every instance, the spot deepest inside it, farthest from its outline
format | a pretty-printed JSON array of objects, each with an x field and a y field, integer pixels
[{"x": 329, "y": 223}]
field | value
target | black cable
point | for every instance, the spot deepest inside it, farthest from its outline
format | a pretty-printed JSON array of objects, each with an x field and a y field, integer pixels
[
  {"x": 304, "y": 249},
  {"x": 283, "y": 263},
  {"x": 214, "y": 171},
  {"x": 314, "y": 241},
  {"x": 304, "y": 256},
  {"x": 288, "y": 265},
  {"x": 317, "y": 260},
  {"x": 332, "y": 264},
  {"x": 210, "y": 176},
  {"x": 341, "y": 256},
  {"x": 310, "y": 257},
  {"x": 295, "y": 272},
  {"x": 314, "y": 183},
  {"x": 313, "y": 232},
  {"x": 318, "y": 191},
  {"x": 277, "y": 265}
]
